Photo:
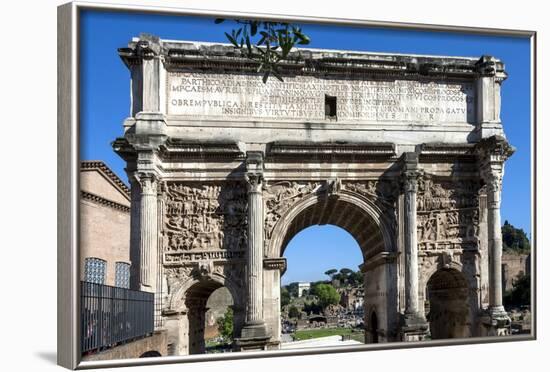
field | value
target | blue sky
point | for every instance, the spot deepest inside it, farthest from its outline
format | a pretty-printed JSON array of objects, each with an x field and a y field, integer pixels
[{"x": 105, "y": 103}]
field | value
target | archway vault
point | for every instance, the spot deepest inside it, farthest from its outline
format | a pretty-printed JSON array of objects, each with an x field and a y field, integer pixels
[
  {"x": 368, "y": 223},
  {"x": 202, "y": 287}
]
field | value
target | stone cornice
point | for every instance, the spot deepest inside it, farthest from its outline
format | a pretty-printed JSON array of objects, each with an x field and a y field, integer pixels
[
  {"x": 332, "y": 149},
  {"x": 108, "y": 173},
  {"x": 104, "y": 202},
  {"x": 275, "y": 264},
  {"x": 146, "y": 47},
  {"x": 377, "y": 260},
  {"x": 175, "y": 148},
  {"x": 445, "y": 151},
  {"x": 304, "y": 61},
  {"x": 494, "y": 149}
]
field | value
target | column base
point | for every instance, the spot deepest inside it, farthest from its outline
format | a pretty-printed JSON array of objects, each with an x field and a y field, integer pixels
[
  {"x": 496, "y": 321},
  {"x": 414, "y": 327},
  {"x": 254, "y": 336}
]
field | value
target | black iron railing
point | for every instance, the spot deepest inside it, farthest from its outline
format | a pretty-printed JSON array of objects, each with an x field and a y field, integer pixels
[{"x": 111, "y": 315}]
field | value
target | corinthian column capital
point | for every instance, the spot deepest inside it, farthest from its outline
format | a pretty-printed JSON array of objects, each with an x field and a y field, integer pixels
[
  {"x": 410, "y": 173},
  {"x": 492, "y": 152},
  {"x": 254, "y": 171},
  {"x": 148, "y": 181},
  {"x": 492, "y": 175}
]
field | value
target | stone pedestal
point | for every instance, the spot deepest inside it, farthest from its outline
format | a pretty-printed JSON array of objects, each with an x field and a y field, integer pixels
[{"x": 414, "y": 327}]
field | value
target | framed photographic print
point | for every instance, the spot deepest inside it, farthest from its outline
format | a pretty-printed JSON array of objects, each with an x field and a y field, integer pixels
[{"x": 240, "y": 185}]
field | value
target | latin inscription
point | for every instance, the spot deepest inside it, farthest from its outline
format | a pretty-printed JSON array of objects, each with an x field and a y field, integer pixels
[
  {"x": 180, "y": 257},
  {"x": 302, "y": 98}
]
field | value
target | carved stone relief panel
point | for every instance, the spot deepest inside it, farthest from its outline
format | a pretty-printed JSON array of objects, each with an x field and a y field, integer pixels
[
  {"x": 204, "y": 221},
  {"x": 447, "y": 214},
  {"x": 280, "y": 196},
  {"x": 382, "y": 192},
  {"x": 203, "y": 233}
]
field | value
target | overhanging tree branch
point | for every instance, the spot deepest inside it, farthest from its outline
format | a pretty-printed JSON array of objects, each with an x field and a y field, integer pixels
[{"x": 267, "y": 43}]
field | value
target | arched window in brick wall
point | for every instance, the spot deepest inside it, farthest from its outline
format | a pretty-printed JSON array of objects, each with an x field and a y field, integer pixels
[
  {"x": 94, "y": 270},
  {"x": 122, "y": 275}
]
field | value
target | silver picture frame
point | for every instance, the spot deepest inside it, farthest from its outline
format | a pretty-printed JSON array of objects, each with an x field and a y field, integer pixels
[{"x": 68, "y": 333}]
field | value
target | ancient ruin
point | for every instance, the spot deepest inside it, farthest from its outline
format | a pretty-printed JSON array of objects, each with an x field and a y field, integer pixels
[{"x": 404, "y": 152}]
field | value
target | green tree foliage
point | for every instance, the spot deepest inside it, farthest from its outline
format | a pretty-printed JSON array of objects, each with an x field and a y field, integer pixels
[
  {"x": 346, "y": 277},
  {"x": 356, "y": 278},
  {"x": 514, "y": 240},
  {"x": 326, "y": 294},
  {"x": 521, "y": 292},
  {"x": 267, "y": 43},
  {"x": 225, "y": 325},
  {"x": 293, "y": 312},
  {"x": 285, "y": 297},
  {"x": 312, "y": 308},
  {"x": 331, "y": 272},
  {"x": 293, "y": 289},
  {"x": 346, "y": 272}
]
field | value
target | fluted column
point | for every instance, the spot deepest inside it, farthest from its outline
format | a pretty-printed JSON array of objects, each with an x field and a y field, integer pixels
[
  {"x": 159, "y": 291},
  {"x": 255, "y": 251},
  {"x": 414, "y": 325},
  {"x": 135, "y": 231},
  {"x": 493, "y": 152},
  {"x": 255, "y": 325},
  {"x": 149, "y": 232},
  {"x": 494, "y": 185},
  {"x": 410, "y": 189}
]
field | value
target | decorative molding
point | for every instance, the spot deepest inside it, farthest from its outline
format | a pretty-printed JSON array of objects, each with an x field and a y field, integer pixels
[
  {"x": 221, "y": 56},
  {"x": 100, "y": 166},
  {"x": 377, "y": 260},
  {"x": 494, "y": 149},
  {"x": 146, "y": 47},
  {"x": 489, "y": 66},
  {"x": 331, "y": 149},
  {"x": 275, "y": 264},
  {"x": 184, "y": 149},
  {"x": 439, "y": 152},
  {"x": 104, "y": 202}
]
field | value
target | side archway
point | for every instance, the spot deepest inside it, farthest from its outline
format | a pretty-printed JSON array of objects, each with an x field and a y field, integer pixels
[
  {"x": 150, "y": 354},
  {"x": 448, "y": 310},
  {"x": 188, "y": 304},
  {"x": 371, "y": 327}
]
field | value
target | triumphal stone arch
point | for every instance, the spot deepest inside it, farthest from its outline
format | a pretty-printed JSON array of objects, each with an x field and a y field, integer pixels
[{"x": 404, "y": 152}]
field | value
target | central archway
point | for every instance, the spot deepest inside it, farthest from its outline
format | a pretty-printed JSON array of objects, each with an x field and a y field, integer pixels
[
  {"x": 329, "y": 256},
  {"x": 370, "y": 225}
]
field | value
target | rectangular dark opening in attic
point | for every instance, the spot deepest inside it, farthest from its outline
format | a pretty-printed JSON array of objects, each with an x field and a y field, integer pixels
[{"x": 330, "y": 107}]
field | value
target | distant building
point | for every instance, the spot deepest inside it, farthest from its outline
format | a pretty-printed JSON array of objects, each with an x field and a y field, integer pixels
[
  {"x": 303, "y": 287},
  {"x": 104, "y": 226},
  {"x": 514, "y": 266},
  {"x": 217, "y": 304},
  {"x": 352, "y": 298}
]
